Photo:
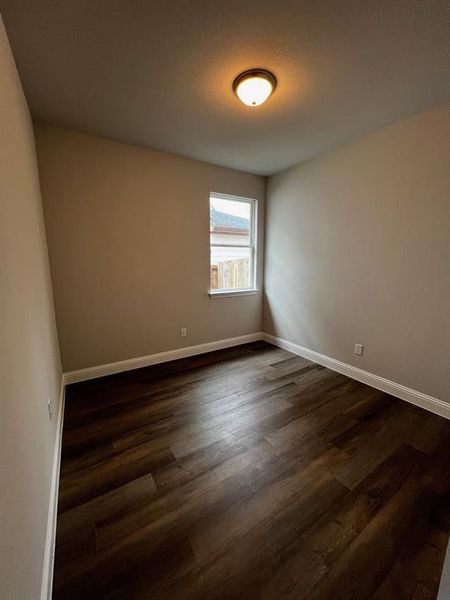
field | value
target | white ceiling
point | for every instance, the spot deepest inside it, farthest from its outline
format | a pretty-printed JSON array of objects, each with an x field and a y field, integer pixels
[{"x": 158, "y": 73}]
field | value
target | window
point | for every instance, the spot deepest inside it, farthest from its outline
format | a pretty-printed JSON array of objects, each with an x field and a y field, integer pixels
[{"x": 232, "y": 235}]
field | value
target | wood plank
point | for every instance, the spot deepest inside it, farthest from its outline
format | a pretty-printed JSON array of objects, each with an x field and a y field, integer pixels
[{"x": 249, "y": 473}]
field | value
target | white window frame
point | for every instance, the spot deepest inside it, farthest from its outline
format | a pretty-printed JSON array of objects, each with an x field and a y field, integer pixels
[{"x": 253, "y": 246}]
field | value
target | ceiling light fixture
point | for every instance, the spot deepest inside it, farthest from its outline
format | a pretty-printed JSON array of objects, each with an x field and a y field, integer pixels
[{"x": 254, "y": 86}]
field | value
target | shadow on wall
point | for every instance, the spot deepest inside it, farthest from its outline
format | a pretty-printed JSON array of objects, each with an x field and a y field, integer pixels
[{"x": 296, "y": 330}]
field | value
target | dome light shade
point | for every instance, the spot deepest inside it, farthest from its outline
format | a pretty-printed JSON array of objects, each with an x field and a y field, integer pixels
[{"x": 253, "y": 87}]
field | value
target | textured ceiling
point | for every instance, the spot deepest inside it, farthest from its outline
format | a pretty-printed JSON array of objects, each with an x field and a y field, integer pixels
[{"x": 159, "y": 73}]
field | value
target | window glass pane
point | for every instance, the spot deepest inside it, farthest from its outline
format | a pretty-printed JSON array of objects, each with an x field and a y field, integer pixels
[
  {"x": 231, "y": 268},
  {"x": 229, "y": 222}
]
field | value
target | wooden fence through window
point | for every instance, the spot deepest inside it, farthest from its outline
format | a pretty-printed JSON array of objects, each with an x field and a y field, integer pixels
[{"x": 230, "y": 274}]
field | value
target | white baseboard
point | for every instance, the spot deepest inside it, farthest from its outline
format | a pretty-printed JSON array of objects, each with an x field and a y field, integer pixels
[
  {"x": 49, "y": 555},
  {"x": 444, "y": 586},
  {"x": 430, "y": 403},
  {"x": 154, "y": 359},
  {"x": 434, "y": 405}
]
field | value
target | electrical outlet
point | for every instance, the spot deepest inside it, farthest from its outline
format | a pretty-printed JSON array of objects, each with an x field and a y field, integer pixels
[
  {"x": 183, "y": 332},
  {"x": 359, "y": 349},
  {"x": 50, "y": 408}
]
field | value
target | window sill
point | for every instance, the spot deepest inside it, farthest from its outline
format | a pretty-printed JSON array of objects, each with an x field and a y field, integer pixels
[{"x": 232, "y": 293}]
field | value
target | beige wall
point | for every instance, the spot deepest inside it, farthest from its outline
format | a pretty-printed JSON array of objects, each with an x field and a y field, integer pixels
[
  {"x": 30, "y": 371},
  {"x": 358, "y": 250},
  {"x": 128, "y": 234}
]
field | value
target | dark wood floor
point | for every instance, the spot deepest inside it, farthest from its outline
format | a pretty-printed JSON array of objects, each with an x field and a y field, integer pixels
[{"x": 249, "y": 473}]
